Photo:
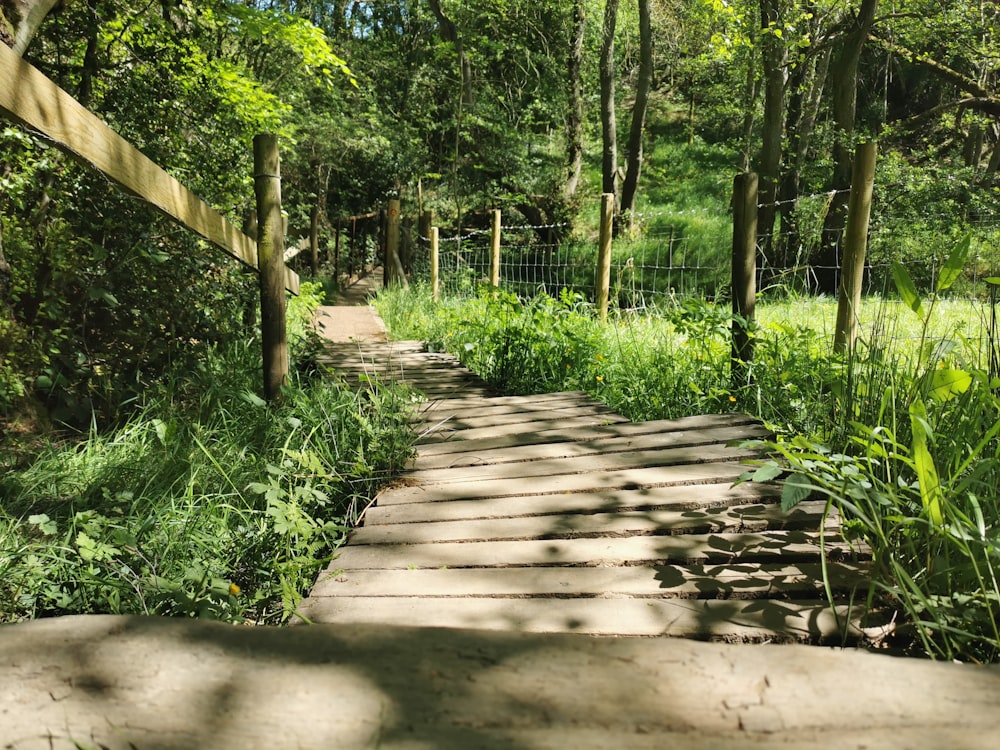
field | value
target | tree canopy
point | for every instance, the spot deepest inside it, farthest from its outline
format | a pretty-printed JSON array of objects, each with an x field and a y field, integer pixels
[{"x": 480, "y": 104}]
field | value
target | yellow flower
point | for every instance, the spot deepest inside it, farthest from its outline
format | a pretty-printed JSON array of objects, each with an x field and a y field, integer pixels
[
  {"x": 600, "y": 378},
  {"x": 234, "y": 590},
  {"x": 732, "y": 399}
]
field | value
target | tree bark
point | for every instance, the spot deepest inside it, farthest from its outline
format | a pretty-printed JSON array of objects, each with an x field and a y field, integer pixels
[
  {"x": 774, "y": 57},
  {"x": 609, "y": 126},
  {"x": 634, "y": 163},
  {"x": 844, "y": 75},
  {"x": 803, "y": 108},
  {"x": 449, "y": 33},
  {"x": 20, "y": 20},
  {"x": 574, "y": 119}
]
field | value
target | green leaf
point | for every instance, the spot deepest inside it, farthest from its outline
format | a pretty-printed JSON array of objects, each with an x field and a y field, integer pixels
[
  {"x": 907, "y": 291},
  {"x": 795, "y": 489},
  {"x": 947, "y": 383},
  {"x": 43, "y": 523},
  {"x": 953, "y": 266},
  {"x": 931, "y": 495},
  {"x": 767, "y": 472}
]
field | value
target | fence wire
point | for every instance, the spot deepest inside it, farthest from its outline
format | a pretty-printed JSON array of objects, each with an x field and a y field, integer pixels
[{"x": 663, "y": 257}]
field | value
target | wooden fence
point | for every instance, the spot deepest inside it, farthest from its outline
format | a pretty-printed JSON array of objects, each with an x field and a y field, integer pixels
[
  {"x": 744, "y": 258},
  {"x": 29, "y": 98}
]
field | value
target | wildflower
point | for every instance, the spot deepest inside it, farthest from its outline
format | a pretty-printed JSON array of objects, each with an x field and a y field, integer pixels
[
  {"x": 234, "y": 590},
  {"x": 732, "y": 399},
  {"x": 600, "y": 378}
]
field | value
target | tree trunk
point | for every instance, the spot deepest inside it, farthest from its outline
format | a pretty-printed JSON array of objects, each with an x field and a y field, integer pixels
[
  {"x": 803, "y": 106},
  {"x": 20, "y": 19},
  {"x": 449, "y": 33},
  {"x": 634, "y": 164},
  {"x": 773, "y": 54},
  {"x": 574, "y": 119},
  {"x": 750, "y": 91},
  {"x": 844, "y": 75},
  {"x": 609, "y": 126}
]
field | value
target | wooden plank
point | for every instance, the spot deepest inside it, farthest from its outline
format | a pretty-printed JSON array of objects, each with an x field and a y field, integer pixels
[
  {"x": 605, "y": 447},
  {"x": 688, "y": 469},
  {"x": 808, "y": 515},
  {"x": 710, "y": 490},
  {"x": 402, "y": 345},
  {"x": 462, "y": 442},
  {"x": 786, "y": 546},
  {"x": 734, "y": 581},
  {"x": 442, "y": 432},
  {"x": 456, "y": 422},
  {"x": 29, "y": 98},
  {"x": 591, "y": 463},
  {"x": 513, "y": 410},
  {"x": 526, "y": 401},
  {"x": 806, "y": 621}
]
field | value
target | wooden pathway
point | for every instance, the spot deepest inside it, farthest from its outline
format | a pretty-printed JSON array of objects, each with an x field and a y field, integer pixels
[{"x": 552, "y": 513}]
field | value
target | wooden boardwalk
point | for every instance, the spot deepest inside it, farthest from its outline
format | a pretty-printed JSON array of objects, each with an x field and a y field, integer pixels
[{"x": 552, "y": 513}]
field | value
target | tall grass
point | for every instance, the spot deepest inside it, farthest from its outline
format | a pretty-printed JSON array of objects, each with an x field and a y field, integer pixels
[{"x": 204, "y": 502}]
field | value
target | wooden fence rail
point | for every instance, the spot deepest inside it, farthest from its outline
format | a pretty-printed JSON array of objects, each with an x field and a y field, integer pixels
[{"x": 29, "y": 98}]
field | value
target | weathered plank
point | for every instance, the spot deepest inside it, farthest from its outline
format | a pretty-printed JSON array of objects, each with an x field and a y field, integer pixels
[
  {"x": 807, "y": 515},
  {"x": 29, "y": 98},
  {"x": 464, "y": 410},
  {"x": 469, "y": 462},
  {"x": 753, "y": 620},
  {"x": 461, "y": 442},
  {"x": 589, "y": 463},
  {"x": 511, "y": 419},
  {"x": 786, "y": 546},
  {"x": 709, "y": 489},
  {"x": 688, "y": 465},
  {"x": 435, "y": 432},
  {"x": 728, "y": 581},
  {"x": 474, "y": 402}
]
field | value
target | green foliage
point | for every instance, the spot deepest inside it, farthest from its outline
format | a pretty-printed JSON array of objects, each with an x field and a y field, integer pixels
[{"x": 205, "y": 503}]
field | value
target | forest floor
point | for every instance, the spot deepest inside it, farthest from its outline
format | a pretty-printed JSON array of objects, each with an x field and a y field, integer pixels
[{"x": 141, "y": 682}]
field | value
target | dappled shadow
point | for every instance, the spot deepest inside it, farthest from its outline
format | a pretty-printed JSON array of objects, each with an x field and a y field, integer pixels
[{"x": 151, "y": 683}]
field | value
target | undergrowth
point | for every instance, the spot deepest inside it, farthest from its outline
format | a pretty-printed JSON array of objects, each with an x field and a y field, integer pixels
[{"x": 205, "y": 501}]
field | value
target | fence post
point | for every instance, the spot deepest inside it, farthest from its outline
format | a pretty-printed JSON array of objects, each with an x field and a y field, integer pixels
[
  {"x": 336, "y": 252},
  {"x": 495, "y": 249},
  {"x": 314, "y": 240},
  {"x": 602, "y": 290},
  {"x": 435, "y": 261},
  {"x": 744, "y": 274},
  {"x": 859, "y": 207},
  {"x": 270, "y": 263},
  {"x": 394, "y": 274}
]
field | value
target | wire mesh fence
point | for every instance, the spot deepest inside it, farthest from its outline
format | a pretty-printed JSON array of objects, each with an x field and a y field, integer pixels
[{"x": 663, "y": 257}]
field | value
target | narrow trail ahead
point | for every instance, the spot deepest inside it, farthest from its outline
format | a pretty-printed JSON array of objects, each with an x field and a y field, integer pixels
[{"x": 552, "y": 513}]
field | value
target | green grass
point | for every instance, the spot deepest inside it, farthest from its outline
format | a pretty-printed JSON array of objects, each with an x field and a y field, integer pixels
[{"x": 205, "y": 502}]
